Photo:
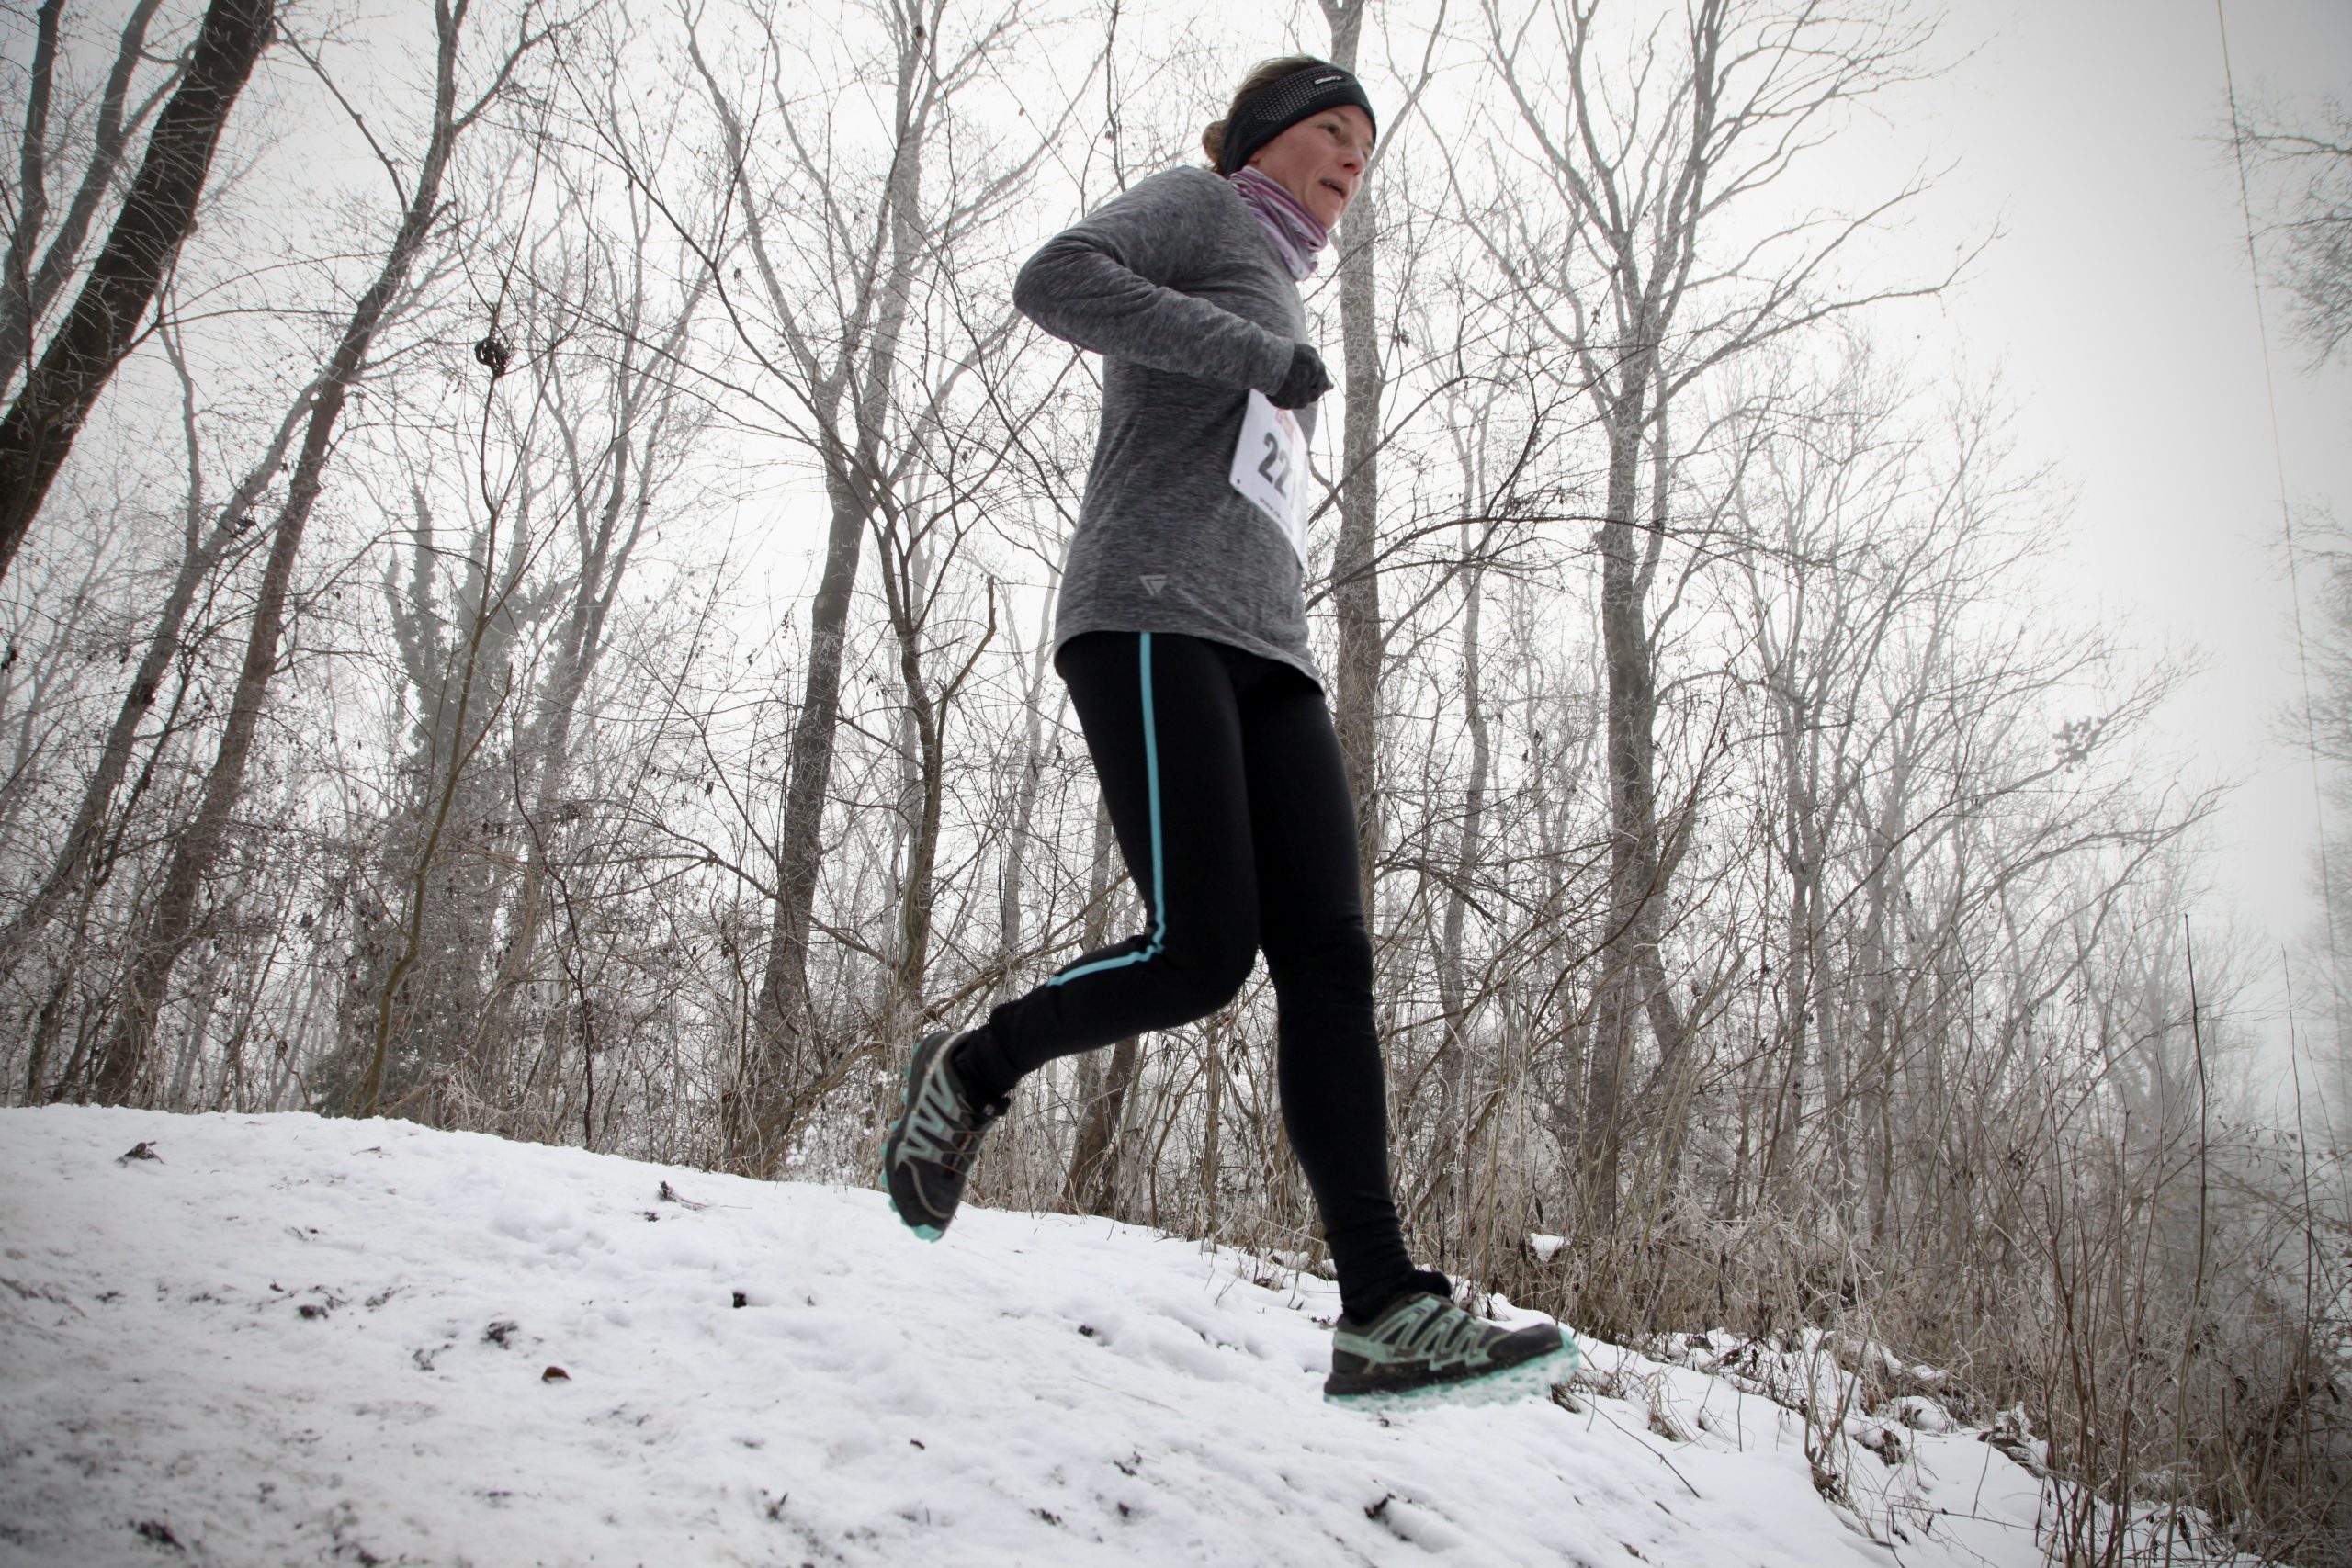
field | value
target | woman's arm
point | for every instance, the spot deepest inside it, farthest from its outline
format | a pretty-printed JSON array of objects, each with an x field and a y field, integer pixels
[{"x": 1096, "y": 285}]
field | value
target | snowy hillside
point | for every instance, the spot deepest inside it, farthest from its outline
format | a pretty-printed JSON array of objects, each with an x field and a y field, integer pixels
[{"x": 289, "y": 1340}]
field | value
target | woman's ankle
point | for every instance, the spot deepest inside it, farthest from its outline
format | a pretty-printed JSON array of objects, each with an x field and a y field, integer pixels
[
  {"x": 980, "y": 1068},
  {"x": 1415, "y": 1281}
]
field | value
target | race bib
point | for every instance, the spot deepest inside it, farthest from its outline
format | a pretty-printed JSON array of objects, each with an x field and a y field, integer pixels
[{"x": 1270, "y": 469}]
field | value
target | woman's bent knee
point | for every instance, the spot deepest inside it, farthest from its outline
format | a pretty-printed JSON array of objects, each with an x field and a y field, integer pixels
[{"x": 1196, "y": 986}]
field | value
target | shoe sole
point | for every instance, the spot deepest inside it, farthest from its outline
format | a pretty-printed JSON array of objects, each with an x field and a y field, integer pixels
[{"x": 1503, "y": 1385}]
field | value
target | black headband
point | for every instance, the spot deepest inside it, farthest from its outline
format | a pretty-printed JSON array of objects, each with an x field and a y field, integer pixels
[{"x": 1279, "y": 105}]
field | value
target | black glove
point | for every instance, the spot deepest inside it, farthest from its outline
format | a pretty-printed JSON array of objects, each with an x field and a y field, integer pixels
[{"x": 1307, "y": 379}]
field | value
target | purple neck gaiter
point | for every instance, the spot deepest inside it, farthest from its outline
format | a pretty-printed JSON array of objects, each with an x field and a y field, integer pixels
[{"x": 1298, "y": 237}]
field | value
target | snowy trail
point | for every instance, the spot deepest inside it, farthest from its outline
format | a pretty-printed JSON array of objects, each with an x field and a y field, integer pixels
[{"x": 292, "y": 1341}]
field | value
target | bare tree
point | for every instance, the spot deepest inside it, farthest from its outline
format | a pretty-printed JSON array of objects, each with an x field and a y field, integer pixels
[
  {"x": 29, "y": 287},
  {"x": 820, "y": 288},
  {"x": 172, "y": 922},
  {"x": 209, "y": 532},
  {"x": 920, "y": 545},
  {"x": 499, "y": 630},
  {"x": 2309, "y": 169},
  {"x": 1637, "y": 300},
  {"x": 608, "y": 495},
  {"x": 42, "y": 424}
]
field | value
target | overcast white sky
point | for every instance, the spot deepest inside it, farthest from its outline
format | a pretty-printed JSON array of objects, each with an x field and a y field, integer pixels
[{"x": 2118, "y": 306}]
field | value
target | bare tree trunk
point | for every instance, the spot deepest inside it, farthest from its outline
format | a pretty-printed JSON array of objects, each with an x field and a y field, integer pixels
[
  {"x": 908, "y": 588},
  {"x": 172, "y": 923},
  {"x": 1876, "y": 963},
  {"x": 785, "y": 1037},
  {"x": 785, "y": 1034},
  {"x": 1355, "y": 569},
  {"x": 1212, "y": 1121},
  {"x": 32, "y": 185},
  {"x": 1452, "y": 1153},
  {"x": 1631, "y": 707},
  {"x": 1837, "y": 1103},
  {"x": 27, "y": 292},
  {"x": 1012, "y": 878},
  {"x": 41, "y": 426},
  {"x": 1798, "y": 963},
  {"x": 1092, "y": 1184}
]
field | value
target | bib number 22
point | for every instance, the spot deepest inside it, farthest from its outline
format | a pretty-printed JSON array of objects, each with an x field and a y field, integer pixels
[
  {"x": 1274, "y": 467},
  {"x": 1269, "y": 465}
]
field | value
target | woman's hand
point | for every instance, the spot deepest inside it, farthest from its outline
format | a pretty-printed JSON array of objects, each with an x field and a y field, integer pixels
[{"x": 1307, "y": 379}]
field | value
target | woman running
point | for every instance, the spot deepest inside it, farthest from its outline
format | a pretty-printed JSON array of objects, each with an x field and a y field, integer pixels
[{"x": 1181, "y": 635}]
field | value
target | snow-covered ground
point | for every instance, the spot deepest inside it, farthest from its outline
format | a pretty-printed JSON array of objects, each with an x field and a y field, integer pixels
[{"x": 292, "y": 1340}]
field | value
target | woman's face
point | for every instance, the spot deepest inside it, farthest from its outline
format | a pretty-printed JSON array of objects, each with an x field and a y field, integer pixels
[{"x": 1321, "y": 160}]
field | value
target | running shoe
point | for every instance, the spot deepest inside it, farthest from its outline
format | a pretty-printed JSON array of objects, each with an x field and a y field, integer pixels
[
  {"x": 1422, "y": 1343},
  {"x": 929, "y": 1154}
]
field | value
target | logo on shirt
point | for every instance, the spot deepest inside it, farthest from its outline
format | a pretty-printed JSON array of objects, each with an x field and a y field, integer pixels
[{"x": 1152, "y": 585}]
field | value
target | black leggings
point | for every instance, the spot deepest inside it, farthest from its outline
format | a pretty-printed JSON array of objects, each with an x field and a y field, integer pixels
[{"x": 1225, "y": 785}]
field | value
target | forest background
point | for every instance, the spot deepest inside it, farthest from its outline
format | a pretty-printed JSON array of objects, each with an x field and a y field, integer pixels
[{"x": 535, "y": 620}]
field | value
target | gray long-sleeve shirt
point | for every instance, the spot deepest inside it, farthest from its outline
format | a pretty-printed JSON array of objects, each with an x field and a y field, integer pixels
[{"x": 1179, "y": 288}]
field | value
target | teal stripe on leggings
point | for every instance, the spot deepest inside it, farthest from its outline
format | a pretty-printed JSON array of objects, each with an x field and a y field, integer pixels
[{"x": 1158, "y": 860}]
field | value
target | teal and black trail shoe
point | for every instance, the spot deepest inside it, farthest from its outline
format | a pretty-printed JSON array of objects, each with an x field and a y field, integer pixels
[
  {"x": 1422, "y": 1343},
  {"x": 929, "y": 1154}
]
